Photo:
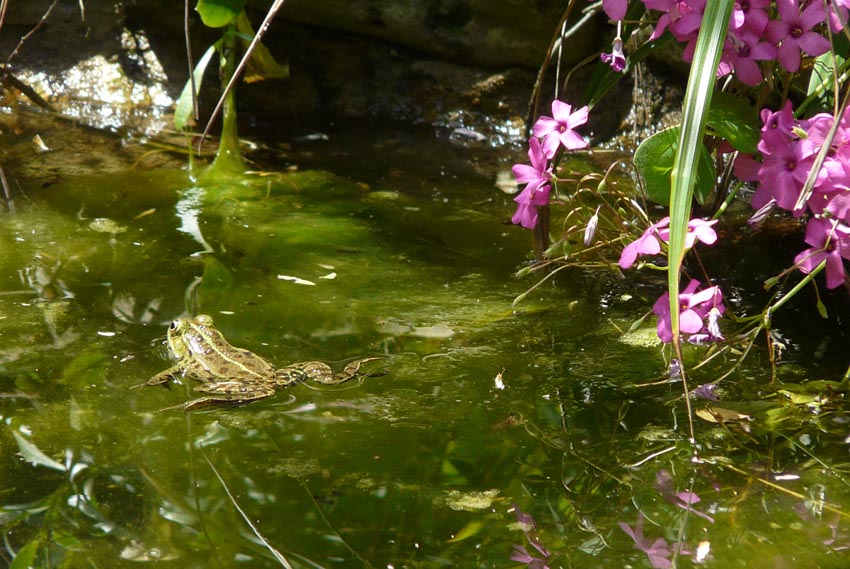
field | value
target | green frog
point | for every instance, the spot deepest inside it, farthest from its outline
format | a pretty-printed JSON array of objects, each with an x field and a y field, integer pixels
[{"x": 230, "y": 374}]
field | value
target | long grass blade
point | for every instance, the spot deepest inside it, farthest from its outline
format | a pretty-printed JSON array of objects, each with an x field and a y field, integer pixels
[{"x": 701, "y": 82}]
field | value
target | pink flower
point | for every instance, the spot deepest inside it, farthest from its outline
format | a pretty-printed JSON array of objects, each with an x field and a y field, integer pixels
[
  {"x": 650, "y": 242},
  {"x": 839, "y": 207},
  {"x": 741, "y": 55},
  {"x": 750, "y": 15},
  {"x": 694, "y": 307},
  {"x": 682, "y": 17},
  {"x": 615, "y": 9},
  {"x": 537, "y": 179},
  {"x": 559, "y": 128},
  {"x": 783, "y": 174},
  {"x": 793, "y": 32},
  {"x": 616, "y": 59},
  {"x": 830, "y": 242},
  {"x": 781, "y": 121},
  {"x": 658, "y": 551},
  {"x": 837, "y": 14}
]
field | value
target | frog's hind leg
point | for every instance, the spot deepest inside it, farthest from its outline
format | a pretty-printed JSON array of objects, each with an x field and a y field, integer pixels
[
  {"x": 228, "y": 393},
  {"x": 353, "y": 369},
  {"x": 302, "y": 371}
]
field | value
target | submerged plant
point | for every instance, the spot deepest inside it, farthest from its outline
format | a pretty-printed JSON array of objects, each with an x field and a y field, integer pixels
[{"x": 800, "y": 163}]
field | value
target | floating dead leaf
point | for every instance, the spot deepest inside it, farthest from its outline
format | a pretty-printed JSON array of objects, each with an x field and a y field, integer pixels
[{"x": 720, "y": 415}]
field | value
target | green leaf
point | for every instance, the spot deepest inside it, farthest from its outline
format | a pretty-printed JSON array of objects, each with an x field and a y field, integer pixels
[
  {"x": 25, "y": 557},
  {"x": 734, "y": 119},
  {"x": 654, "y": 160},
  {"x": 184, "y": 108},
  {"x": 219, "y": 13},
  {"x": 33, "y": 454},
  {"x": 262, "y": 64},
  {"x": 471, "y": 529}
]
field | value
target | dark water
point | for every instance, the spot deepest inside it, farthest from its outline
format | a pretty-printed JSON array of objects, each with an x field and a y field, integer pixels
[{"x": 397, "y": 249}]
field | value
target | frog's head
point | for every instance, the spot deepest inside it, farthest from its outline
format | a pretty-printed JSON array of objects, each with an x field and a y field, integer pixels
[
  {"x": 188, "y": 336},
  {"x": 176, "y": 338}
]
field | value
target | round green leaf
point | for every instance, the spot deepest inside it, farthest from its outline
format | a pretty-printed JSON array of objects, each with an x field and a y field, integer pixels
[
  {"x": 219, "y": 13},
  {"x": 654, "y": 161}
]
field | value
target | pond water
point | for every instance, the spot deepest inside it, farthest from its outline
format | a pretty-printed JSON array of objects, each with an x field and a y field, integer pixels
[{"x": 479, "y": 417}]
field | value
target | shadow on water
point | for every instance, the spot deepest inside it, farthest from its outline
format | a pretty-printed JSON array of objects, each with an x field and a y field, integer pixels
[{"x": 483, "y": 408}]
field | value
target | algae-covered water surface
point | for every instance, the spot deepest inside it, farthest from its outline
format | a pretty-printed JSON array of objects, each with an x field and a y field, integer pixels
[{"x": 487, "y": 435}]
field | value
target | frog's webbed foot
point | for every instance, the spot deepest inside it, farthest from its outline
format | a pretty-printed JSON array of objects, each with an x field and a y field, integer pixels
[
  {"x": 353, "y": 369},
  {"x": 226, "y": 393},
  {"x": 163, "y": 377}
]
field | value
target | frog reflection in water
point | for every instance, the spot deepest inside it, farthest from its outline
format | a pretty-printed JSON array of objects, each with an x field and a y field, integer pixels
[{"x": 234, "y": 375}]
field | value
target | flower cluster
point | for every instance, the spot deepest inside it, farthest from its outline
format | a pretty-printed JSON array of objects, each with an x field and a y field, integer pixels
[
  {"x": 752, "y": 36},
  {"x": 698, "y": 310},
  {"x": 788, "y": 149},
  {"x": 550, "y": 133}
]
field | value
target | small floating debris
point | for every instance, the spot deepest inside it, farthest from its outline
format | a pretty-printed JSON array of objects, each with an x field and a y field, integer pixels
[
  {"x": 106, "y": 225},
  {"x": 296, "y": 280},
  {"x": 469, "y": 133},
  {"x": 506, "y": 182},
  {"x": 499, "y": 381},
  {"x": 39, "y": 145},
  {"x": 471, "y": 501},
  {"x": 329, "y": 276},
  {"x": 145, "y": 213}
]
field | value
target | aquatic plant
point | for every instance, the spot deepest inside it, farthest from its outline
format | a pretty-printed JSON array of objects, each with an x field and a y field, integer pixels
[
  {"x": 230, "y": 16},
  {"x": 776, "y": 134},
  {"x": 797, "y": 163}
]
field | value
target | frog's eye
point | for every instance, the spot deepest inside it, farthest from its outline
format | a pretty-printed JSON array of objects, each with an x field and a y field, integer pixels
[
  {"x": 204, "y": 319},
  {"x": 175, "y": 324}
]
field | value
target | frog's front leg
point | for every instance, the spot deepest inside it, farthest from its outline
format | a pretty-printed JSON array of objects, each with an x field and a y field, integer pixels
[
  {"x": 162, "y": 377},
  {"x": 228, "y": 393}
]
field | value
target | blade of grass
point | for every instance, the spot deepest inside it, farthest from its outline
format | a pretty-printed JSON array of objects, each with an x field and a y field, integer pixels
[{"x": 701, "y": 82}]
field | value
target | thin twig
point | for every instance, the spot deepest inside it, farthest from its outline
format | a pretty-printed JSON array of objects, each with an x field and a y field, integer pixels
[
  {"x": 28, "y": 91},
  {"x": 277, "y": 554},
  {"x": 3, "y": 5},
  {"x": 9, "y": 203},
  {"x": 193, "y": 479},
  {"x": 241, "y": 67},
  {"x": 31, "y": 32}
]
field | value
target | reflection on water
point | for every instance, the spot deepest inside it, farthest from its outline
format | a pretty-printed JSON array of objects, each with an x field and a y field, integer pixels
[{"x": 495, "y": 432}]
